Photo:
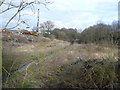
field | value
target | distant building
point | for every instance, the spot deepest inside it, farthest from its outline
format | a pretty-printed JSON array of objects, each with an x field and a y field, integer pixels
[
  {"x": 7, "y": 31},
  {"x": 22, "y": 31}
]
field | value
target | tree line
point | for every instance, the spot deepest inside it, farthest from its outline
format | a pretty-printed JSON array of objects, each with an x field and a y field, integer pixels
[
  {"x": 98, "y": 33},
  {"x": 94, "y": 34}
]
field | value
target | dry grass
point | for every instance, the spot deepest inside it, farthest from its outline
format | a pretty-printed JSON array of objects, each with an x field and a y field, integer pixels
[{"x": 56, "y": 62}]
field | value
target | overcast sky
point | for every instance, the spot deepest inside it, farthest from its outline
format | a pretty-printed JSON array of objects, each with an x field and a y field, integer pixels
[{"x": 78, "y": 14}]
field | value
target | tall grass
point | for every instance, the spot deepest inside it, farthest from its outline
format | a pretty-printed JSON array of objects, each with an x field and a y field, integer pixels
[
  {"x": 59, "y": 64},
  {"x": 94, "y": 74}
]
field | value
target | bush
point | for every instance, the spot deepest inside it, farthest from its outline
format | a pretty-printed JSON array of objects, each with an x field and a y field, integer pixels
[{"x": 94, "y": 74}]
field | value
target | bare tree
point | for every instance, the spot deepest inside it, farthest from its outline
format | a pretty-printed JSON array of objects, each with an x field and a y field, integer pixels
[
  {"x": 18, "y": 6},
  {"x": 42, "y": 27},
  {"x": 48, "y": 25}
]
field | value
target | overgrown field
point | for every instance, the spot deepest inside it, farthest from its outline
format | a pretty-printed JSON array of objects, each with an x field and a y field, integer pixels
[{"x": 58, "y": 63}]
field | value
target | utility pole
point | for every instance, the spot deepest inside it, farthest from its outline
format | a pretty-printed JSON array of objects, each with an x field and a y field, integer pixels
[{"x": 37, "y": 22}]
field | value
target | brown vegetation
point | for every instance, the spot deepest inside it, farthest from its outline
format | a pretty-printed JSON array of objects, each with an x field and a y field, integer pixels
[{"x": 59, "y": 63}]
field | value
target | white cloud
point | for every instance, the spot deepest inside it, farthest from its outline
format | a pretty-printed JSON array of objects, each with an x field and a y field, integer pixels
[
  {"x": 60, "y": 24},
  {"x": 28, "y": 12},
  {"x": 66, "y": 5},
  {"x": 75, "y": 13},
  {"x": 84, "y": 12},
  {"x": 69, "y": 5},
  {"x": 108, "y": 1}
]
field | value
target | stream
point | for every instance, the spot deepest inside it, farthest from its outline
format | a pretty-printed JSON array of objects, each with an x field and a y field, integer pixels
[{"x": 20, "y": 69}]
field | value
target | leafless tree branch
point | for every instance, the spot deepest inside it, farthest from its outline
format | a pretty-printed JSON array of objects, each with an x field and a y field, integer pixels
[
  {"x": 1, "y": 2},
  {"x": 21, "y": 5}
]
